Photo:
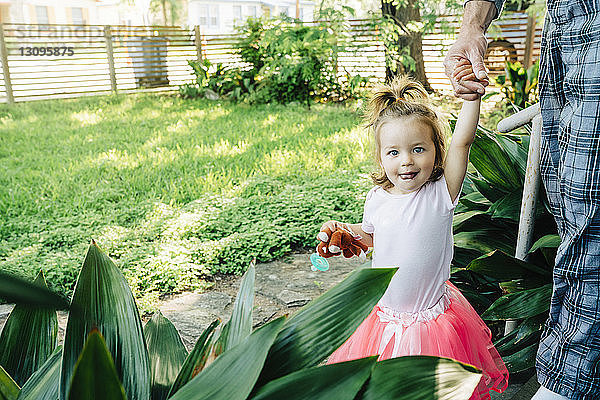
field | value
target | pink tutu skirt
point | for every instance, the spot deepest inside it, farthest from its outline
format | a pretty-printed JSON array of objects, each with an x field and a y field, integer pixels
[{"x": 451, "y": 329}]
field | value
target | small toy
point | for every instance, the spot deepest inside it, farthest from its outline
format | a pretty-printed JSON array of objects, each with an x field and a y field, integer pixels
[
  {"x": 341, "y": 241},
  {"x": 318, "y": 263}
]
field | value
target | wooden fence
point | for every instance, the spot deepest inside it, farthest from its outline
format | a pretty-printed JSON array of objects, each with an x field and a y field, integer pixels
[{"x": 59, "y": 61}]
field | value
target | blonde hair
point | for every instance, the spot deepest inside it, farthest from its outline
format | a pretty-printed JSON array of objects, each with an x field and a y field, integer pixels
[{"x": 403, "y": 98}]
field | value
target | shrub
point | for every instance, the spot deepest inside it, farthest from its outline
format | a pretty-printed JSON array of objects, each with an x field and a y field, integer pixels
[{"x": 107, "y": 355}]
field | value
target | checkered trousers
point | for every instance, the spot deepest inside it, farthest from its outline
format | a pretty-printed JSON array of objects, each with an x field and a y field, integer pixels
[{"x": 568, "y": 360}]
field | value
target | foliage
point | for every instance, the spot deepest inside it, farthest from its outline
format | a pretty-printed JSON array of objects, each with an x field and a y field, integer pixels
[
  {"x": 519, "y": 85},
  {"x": 485, "y": 233},
  {"x": 141, "y": 171},
  {"x": 286, "y": 61},
  {"x": 280, "y": 357}
]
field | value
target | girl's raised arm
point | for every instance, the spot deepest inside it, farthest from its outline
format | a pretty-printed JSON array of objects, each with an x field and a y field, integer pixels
[{"x": 457, "y": 157}]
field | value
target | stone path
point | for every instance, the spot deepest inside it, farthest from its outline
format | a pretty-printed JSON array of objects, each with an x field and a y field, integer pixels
[{"x": 281, "y": 287}]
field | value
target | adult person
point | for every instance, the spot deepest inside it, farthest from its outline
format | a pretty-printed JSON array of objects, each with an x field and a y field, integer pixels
[{"x": 568, "y": 359}]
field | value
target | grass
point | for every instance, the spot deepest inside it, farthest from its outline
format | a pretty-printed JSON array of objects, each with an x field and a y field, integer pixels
[{"x": 172, "y": 189}]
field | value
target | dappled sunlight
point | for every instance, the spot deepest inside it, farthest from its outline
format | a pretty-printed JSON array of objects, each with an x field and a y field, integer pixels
[
  {"x": 86, "y": 118},
  {"x": 285, "y": 161},
  {"x": 119, "y": 159},
  {"x": 223, "y": 148},
  {"x": 357, "y": 136},
  {"x": 270, "y": 120}
]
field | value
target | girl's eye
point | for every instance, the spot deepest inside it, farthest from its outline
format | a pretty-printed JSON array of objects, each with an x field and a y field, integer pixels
[
  {"x": 393, "y": 152},
  {"x": 418, "y": 149}
]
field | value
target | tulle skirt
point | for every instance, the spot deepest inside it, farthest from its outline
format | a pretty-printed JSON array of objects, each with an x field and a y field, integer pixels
[{"x": 451, "y": 329}]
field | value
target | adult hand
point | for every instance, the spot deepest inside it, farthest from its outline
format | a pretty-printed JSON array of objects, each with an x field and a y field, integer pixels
[{"x": 470, "y": 45}]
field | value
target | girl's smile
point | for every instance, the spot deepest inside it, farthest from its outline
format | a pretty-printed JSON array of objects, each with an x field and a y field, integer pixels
[{"x": 407, "y": 153}]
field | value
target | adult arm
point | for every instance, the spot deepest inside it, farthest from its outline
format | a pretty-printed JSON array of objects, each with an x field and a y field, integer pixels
[{"x": 471, "y": 45}]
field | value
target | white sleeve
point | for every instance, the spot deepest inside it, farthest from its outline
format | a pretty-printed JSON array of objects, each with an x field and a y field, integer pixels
[
  {"x": 367, "y": 222},
  {"x": 441, "y": 192}
]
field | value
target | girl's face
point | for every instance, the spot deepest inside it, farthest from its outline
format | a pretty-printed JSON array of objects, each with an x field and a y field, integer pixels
[{"x": 407, "y": 153}]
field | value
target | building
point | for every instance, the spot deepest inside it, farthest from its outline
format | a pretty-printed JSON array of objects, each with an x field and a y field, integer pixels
[
  {"x": 77, "y": 12},
  {"x": 221, "y": 16}
]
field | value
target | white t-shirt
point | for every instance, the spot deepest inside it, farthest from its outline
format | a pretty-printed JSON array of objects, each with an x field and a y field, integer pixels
[{"x": 414, "y": 233}]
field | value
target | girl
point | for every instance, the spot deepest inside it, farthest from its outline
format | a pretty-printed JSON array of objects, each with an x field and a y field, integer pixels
[{"x": 408, "y": 222}]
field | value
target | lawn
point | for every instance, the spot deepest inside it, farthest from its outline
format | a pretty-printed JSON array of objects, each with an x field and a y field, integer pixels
[{"x": 172, "y": 189}]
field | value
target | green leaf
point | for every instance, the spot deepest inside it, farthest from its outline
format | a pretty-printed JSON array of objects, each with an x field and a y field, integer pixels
[
  {"x": 460, "y": 219},
  {"x": 103, "y": 300},
  {"x": 522, "y": 360},
  {"x": 484, "y": 241},
  {"x": 240, "y": 325},
  {"x": 9, "y": 390},
  {"x": 508, "y": 207},
  {"x": 422, "y": 378},
  {"x": 503, "y": 267},
  {"x": 336, "y": 381},
  {"x": 44, "y": 383},
  {"x": 475, "y": 200},
  {"x": 28, "y": 338},
  {"x": 527, "y": 303},
  {"x": 552, "y": 241},
  {"x": 95, "y": 376},
  {"x": 324, "y": 324},
  {"x": 515, "y": 151},
  {"x": 17, "y": 290},
  {"x": 487, "y": 191},
  {"x": 493, "y": 163},
  {"x": 233, "y": 375},
  {"x": 195, "y": 361},
  {"x": 166, "y": 352}
]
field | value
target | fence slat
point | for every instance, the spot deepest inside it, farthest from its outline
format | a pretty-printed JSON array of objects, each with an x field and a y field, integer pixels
[
  {"x": 5, "y": 69},
  {"x": 111, "y": 60}
]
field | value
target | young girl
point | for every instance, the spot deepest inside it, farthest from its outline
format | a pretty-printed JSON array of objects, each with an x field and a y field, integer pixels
[{"x": 408, "y": 222}]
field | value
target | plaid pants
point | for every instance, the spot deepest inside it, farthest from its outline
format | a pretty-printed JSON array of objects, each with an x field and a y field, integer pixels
[{"x": 568, "y": 359}]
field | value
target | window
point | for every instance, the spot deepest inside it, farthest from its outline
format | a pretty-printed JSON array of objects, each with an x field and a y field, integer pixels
[
  {"x": 252, "y": 11},
  {"x": 237, "y": 13},
  {"x": 77, "y": 16},
  {"x": 214, "y": 16},
  {"x": 41, "y": 14},
  {"x": 284, "y": 11},
  {"x": 203, "y": 13}
]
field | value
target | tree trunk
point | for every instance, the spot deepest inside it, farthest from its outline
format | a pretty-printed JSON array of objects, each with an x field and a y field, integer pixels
[{"x": 403, "y": 16}]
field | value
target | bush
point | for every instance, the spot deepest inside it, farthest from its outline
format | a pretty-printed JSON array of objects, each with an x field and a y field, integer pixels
[
  {"x": 107, "y": 355},
  {"x": 286, "y": 62}
]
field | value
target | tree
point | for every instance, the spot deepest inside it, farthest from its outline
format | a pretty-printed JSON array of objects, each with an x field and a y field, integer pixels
[{"x": 406, "y": 14}]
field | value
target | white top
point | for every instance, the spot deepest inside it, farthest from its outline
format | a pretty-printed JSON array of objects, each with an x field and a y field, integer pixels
[{"x": 414, "y": 233}]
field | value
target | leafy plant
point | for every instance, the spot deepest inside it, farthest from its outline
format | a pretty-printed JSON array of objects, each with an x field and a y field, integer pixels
[
  {"x": 279, "y": 357},
  {"x": 485, "y": 234},
  {"x": 519, "y": 85}
]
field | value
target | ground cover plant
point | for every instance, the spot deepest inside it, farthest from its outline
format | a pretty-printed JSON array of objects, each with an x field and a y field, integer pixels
[
  {"x": 174, "y": 189},
  {"x": 108, "y": 355}
]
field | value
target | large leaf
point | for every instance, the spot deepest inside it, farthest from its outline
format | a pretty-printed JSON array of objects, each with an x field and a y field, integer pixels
[
  {"x": 234, "y": 373},
  {"x": 422, "y": 378},
  {"x": 9, "y": 390},
  {"x": 494, "y": 164},
  {"x": 28, "y": 338},
  {"x": 336, "y": 381},
  {"x": 324, "y": 324},
  {"x": 522, "y": 360},
  {"x": 95, "y": 376},
  {"x": 527, "y": 333},
  {"x": 103, "y": 300},
  {"x": 195, "y": 361},
  {"x": 240, "y": 324},
  {"x": 484, "y": 241},
  {"x": 508, "y": 207},
  {"x": 44, "y": 383},
  {"x": 166, "y": 352},
  {"x": 527, "y": 303},
  {"x": 487, "y": 191},
  {"x": 17, "y": 290},
  {"x": 515, "y": 151},
  {"x": 460, "y": 219},
  {"x": 501, "y": 266},
  {"x": 551, "y": 241}
]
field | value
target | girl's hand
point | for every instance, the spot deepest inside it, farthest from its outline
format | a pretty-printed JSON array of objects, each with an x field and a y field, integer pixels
[
  {"x": 464, "y": 72},
  {"x": 330, "y": 226}
]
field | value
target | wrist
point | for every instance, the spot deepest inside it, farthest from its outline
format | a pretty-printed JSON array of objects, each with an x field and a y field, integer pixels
[{"x": 477, "y": 16}]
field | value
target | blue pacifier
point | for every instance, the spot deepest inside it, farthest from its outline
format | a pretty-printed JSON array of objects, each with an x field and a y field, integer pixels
[{"x": 318, "y": 263}]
